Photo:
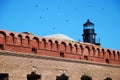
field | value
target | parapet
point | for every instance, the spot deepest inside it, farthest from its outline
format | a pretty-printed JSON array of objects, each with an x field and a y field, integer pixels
[{"x": 30, "y": 44}]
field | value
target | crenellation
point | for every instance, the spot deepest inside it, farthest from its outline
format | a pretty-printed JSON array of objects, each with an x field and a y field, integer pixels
[{"x": 28, "y": 43}]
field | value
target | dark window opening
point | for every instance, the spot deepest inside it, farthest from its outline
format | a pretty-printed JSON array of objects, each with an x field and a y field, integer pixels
[
  {"x": 34, "y": 50},
  {"x": 4, "y": 76},
  {"x": 44, "y": 43},
  {"x": 28, "y": 40},
  {"x": 85, "y": 57},
  {"x": 62, "y": 77},
  {"x": 1, "y": 47},
  {"x": 33, "y": 76},
  {"x": 107, "y": 78},
  {"x": 107, "y": 61},
  {"x": 62, "y": 54},
  {"x": 57, "y": 46},
  {"x": 85, "y": 77},
  {"x": 81, "y": 49},
  {"x": 118, "y": 54}
]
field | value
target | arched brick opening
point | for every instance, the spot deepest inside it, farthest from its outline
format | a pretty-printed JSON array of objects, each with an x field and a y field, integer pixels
[
  {"x": 76, "y": 48},
  {"x": 12, "y": 38},
  {"x": 62, "y": 54},
  {"x": 108, "y": 78},
  {"x": 62, "y": 77},
  {"x": 103, "y": 53},
  {"x": 34, "y": 50},
  {"x": 85, "y": 77},
  {"x": 70, "y": 48},
  {"x": 33, "y": 76},
  {"x": 27, "y": 41},
  {"x": 118, "y": 55},
  {"x": 50, "y": 44},
  {"x": 114, "y": 55},
  {"x": 56, "y": 45},
  {"x": 93, "y": 51},
  {"x": 4, "y": 76},
  {"x": 108, "y": 54},
  {"x": 1, "y": 47},
  {"x": 44, "y": 43},
  {"x": 2, "y": 37},
  {"x": 85, "y": 57},
  {"x": 81, "y": 49},
  {"x": 98, "y": 52},
  {"x": 35, "y": 42},
  {"x": 19, "y": 40},
  {"x": 107, "y": 61},
  {"x": 87, "y": 51},
  {"x": 63, "y": 47}
]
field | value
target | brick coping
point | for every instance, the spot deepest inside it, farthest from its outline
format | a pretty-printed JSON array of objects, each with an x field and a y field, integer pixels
[{"x": 36, "y": 56}]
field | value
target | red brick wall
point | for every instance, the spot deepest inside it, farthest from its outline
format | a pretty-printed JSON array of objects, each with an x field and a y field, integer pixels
[
  {"x": 28, "y": 43},
  {"x": 18, "y": 65}
]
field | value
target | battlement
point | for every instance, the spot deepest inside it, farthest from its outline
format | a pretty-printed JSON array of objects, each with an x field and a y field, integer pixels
[{"x": 29, "y": 43}]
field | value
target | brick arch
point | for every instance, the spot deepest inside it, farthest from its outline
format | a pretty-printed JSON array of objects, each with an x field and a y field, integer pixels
[
  {"x": 50, "y": 44},
  {"x": 86, "y": 77},
  {"x": 87, "y": 51},
  {"x": 114, "y": 55},
  {"x": 76, "y": 48},
  {"x": 56, "y": 45},
  {"x": 103, "y": 53},
  {"x": 107, "y": 60},
  {"x": 5, "y": 32},
  {"x": 118, "y": 55},
  {"x": 108, "y": 78},
  {"x": 19, "y": 40},
  {"x": 27, "y": 41},
  {"x": 12, "y": 34},
  {"x": 11, "y": 39},
  {"x": 62, "y": 77},
  {"x": 63, "y": 47},
  {"x": 43, "y": 43},
  {"x": 93, "y": 51},
  {"x": 97, "y": 53},
  {"x": 2, "y": 37},
  {"x": 81, "y": 49},
  {"x": 108, "y": 54},
  {"x": 70, "y": 47},
  {"x": 35, "y": 42},
  {"x": 33, "y": 76}
]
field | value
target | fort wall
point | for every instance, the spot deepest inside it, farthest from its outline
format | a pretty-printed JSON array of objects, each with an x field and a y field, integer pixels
[
  {"x": 31, "y": 44},
  {"x": 19, "y": 65}
]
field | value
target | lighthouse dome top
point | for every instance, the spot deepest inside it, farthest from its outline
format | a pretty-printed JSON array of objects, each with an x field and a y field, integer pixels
[{"x": 88, "y": 23}]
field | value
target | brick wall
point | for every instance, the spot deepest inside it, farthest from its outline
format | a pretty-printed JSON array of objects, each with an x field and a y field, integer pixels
[
  {"x": 19, "y": 65},
  {"x": 28, "y": 43}
]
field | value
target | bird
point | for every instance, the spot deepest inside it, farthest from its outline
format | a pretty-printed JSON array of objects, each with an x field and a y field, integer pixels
[
  {"x": 67, "y": 20},
  {"x": 40, "y": 17},
  {"x": 36, "y": 5},
  {"x": 53, "y": 28},
  {"x": 46, "y": 8}
]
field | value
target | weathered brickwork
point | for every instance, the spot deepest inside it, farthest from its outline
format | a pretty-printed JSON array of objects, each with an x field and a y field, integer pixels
[
  {"x": 18, "y": 65},
  {"x": 28, "y": 43}
]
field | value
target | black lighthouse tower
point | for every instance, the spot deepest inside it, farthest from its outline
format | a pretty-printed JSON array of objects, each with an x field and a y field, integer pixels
[{"x": 89, "y": 34}]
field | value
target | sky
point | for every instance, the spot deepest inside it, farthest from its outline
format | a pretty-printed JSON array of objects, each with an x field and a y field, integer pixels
[{"x": 47, "y": 17}]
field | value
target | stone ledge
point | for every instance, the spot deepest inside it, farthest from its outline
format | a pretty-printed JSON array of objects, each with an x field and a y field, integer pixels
[{"x": 36, "y": 56}]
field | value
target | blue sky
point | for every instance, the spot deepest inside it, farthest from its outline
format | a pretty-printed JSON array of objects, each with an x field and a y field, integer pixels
[{"x": 46, "y": 17}]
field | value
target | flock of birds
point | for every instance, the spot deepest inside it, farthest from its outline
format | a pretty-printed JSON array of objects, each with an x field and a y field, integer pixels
[{"x": 66, "y": 20}]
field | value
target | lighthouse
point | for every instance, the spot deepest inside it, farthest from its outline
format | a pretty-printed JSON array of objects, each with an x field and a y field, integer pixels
[{"x": 89, "y": 34}]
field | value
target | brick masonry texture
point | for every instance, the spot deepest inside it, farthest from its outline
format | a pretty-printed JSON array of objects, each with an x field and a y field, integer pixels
[
  {"x": 29, "y": 43},
  {"x": 21, "y": 53},
  {"x": 18, "y": 65}
]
